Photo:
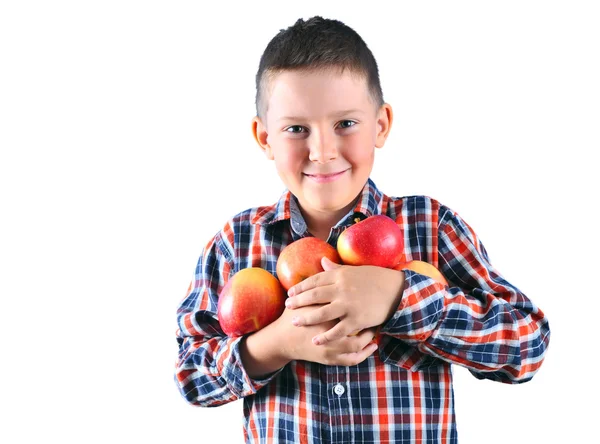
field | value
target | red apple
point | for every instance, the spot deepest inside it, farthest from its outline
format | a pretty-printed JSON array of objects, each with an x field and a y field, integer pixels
[
  {"x": 423, "y": 268},
  {"x": 251, "y": 299},
  {"x": 302, "y": 259},
  {"x": 376, "y": 240}
]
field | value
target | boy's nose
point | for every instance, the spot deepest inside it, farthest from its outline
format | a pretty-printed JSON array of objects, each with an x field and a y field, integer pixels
[{"x": 322, "y": 148}]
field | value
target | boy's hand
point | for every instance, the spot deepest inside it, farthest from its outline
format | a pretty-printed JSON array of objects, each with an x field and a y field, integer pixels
[
  {"x": 359, "y": 296},
  {"x": 297, "y": 344}
]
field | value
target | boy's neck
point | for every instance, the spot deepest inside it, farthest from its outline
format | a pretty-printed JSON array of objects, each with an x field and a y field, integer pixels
[{"x": 319, "y": 224}]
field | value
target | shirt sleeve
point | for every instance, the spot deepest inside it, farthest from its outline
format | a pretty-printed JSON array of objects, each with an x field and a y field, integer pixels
[
  {"x": 209, "y": 370},
  {"x": 481, "y": 322}
]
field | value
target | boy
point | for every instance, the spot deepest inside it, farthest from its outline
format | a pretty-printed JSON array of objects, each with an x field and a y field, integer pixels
[{"x": 305, "y": 377}]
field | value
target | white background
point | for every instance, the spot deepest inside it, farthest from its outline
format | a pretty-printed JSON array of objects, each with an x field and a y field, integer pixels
[{"x": 125, "y": 145}]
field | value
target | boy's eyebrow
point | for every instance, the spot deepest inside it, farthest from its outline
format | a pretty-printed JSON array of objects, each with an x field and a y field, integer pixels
[{"x": 339, "y": 113}]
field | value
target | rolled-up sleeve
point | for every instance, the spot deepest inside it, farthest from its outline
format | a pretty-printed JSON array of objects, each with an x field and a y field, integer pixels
[{"x": 209, "y": 370}]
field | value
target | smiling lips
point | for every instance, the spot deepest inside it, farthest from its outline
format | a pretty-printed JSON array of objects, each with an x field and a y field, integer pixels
[{"x": 322, "y": 178}]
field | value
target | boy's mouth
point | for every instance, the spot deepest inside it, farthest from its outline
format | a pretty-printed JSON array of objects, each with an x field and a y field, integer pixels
[{"x": 325, "y": 177}]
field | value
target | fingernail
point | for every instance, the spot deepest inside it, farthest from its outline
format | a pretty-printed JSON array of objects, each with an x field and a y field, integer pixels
[
  {"x": 288, "y": 303},
  {"x": 316, "y": 341},
  {"x": 296, "y": 321},
  {"x": 291, "y": 292}
]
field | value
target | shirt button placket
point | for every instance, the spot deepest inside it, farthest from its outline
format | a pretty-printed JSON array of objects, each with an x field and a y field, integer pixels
[{"x": 339, "y": 401}]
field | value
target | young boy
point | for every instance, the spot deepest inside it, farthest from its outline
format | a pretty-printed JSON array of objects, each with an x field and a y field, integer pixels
[{"x": 305, "y": 377}]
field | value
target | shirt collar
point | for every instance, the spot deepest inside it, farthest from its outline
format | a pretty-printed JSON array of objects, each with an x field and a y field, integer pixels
[{"x": 369, "y": 203}]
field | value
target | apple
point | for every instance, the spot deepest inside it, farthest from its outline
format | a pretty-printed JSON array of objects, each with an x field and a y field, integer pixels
[
  {"x": 251, "y": 299},
  {"x": 302, "y": 259},
  {"x": 376, "y": 240},
  {"x": 423, "y": 268}
]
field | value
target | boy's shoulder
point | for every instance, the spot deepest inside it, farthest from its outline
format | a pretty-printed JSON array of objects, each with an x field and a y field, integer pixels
[{"x": 418, "y": 204}]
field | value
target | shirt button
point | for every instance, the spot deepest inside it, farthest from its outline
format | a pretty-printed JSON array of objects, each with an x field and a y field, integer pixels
[{"x": 339, "y": 390}]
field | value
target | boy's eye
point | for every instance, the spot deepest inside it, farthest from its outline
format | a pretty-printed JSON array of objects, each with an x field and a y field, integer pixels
[
  {"x": 297, "y": 129},
  {"x": 294, "y": 126}
]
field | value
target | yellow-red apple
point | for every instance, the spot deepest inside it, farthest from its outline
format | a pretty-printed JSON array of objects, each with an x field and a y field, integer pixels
[
  {"x": 376, "y": 240},
  {"x": 423, "y": 268},
  {"x": 302, "y": 259},
  {"x": 251, "y": 299}
]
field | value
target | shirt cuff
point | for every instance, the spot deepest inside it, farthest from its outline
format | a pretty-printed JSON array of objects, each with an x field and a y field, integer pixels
[
  {"x": 419, "y": 311},
  {"x": 233, "y": 371}
]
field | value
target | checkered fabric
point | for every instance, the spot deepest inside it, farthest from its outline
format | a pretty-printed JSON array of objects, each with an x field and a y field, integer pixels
[{"x": 403, "y": 392}]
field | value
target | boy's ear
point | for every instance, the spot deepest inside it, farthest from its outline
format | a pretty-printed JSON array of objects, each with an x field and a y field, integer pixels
[
  {"x": 259, "y": 131},
  {"x": 385, "y": 117}
]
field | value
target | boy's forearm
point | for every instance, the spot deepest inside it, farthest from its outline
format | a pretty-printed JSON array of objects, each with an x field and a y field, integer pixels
[{"x": 261, "y": 352}]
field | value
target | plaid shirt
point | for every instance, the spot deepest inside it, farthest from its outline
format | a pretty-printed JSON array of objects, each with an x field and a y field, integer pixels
[{"x": 401, "y": 393}]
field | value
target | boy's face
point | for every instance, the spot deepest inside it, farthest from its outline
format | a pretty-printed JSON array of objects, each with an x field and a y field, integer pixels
[{"x": 321, "y": 130}]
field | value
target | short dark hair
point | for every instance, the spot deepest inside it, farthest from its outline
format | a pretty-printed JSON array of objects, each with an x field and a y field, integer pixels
[{"x": 316, "y": 44}]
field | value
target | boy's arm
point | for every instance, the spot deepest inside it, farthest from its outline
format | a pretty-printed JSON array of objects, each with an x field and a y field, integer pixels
[
  {"x": 264, "y": 351},
  {"x": 485, "y": 323},
  {"x": 209, "y": 369},
  {"x": 259, "y": 356}
]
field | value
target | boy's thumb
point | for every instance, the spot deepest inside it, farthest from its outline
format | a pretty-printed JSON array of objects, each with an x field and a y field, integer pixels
[{"x": 328, "y": 264}]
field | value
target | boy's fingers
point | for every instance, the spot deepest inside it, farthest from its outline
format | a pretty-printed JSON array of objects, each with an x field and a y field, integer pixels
[
  {"x": 358, "y": 357},
  {"x": 309, "y": 283},
  {"x": 339, "y": 331},
  {"x": 314, "y": 296},
  {"x": 327, "y": 312},
  {"x": 368, "y": 333}
]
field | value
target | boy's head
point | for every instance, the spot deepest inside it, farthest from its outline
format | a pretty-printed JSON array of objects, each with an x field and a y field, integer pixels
[{"x": 320, "y": 110}]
